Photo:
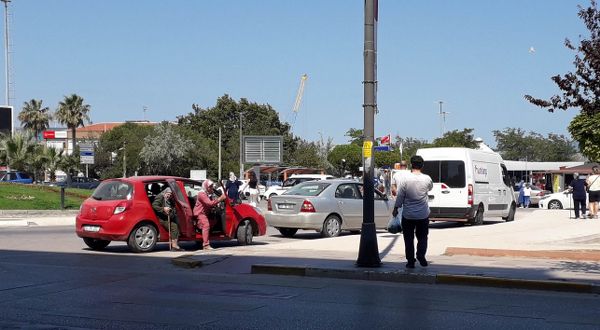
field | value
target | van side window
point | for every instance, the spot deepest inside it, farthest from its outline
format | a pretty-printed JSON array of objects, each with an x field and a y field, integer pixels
[
  {"x": 450, "y": 172},
  {"x": 432, "y": 168}
]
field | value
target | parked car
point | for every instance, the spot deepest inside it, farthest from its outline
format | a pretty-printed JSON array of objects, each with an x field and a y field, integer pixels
[
  {"x": 121, "y": 210},
  {"x": 558, "y": 201},
  {"x": 17, "y": 177},
  {"x": 327, "y": 206},
  {"x": 536, "y": 194},
  {"x": 80, "y": 182},
  {"x": 293, "y": 180}
]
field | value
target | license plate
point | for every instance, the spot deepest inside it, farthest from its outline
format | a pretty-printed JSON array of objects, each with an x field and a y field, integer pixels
[
  {"x": 286, "y": 206},
  {"x": 94, "y": 229}
]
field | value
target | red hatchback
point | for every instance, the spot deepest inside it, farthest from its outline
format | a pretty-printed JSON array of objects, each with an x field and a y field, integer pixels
[{"x": 121, "y": 210}]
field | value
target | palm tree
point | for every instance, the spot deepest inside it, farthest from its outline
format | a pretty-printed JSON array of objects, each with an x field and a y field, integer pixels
[
  {"x": 53, "y": 160},
  {"x": 72, "y": 112},
  {"x": 17, "y": 151},
  {"x": 34, "y": 117}
]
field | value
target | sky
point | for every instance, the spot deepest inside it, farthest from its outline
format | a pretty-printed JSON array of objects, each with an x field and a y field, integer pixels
[{"x": 473, "y": 55}]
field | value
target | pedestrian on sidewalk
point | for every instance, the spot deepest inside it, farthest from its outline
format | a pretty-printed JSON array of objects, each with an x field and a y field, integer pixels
[
  {"x": 521, "y": 199},
  {"x": 593, "y": 182},
  {"x": 577, "y": 187},
  {"x": 527, "y": 195},
  {"x": 413, "y": 198}
]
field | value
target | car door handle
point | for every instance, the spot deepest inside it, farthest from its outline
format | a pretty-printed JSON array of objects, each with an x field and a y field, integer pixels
[{"x": 445, "y": 191}]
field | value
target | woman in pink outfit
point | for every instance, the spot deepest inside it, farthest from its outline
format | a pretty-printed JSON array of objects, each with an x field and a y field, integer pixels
[{"x": 204, "y": 203}]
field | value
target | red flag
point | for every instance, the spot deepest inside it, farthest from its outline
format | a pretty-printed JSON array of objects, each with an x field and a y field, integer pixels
[{"x": 385, "y": 140}]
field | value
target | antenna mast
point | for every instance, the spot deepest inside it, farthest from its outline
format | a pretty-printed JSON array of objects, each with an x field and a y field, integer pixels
[{"x": 298, "y": 101}]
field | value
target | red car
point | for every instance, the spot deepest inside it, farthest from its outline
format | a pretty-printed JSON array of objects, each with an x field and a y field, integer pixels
[{"x": 121, "y": 210}]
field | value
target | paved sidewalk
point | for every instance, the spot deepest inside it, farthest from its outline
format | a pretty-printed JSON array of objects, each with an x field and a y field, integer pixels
[
  {"x": 542, "y": 249},
  {"x": 26, "y": 218}
]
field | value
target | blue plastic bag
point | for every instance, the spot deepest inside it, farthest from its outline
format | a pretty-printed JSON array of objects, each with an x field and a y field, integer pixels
[{"x": 395, "y": 225}]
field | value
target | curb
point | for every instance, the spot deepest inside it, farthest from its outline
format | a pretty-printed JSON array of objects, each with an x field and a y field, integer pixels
[
  {"x": 195, "y": 261},
  {"x": 444, "y": 279},
  {"x": 583, "y": 255},
  {"x": 43, "y": 213}
]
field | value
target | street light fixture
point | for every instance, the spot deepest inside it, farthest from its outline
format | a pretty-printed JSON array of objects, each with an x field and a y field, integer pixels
[{"x": 343, "y": 166}]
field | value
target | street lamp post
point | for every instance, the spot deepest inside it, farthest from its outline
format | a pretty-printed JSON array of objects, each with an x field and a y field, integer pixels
[
  {"x": 368, "y": 253},
  {"x": 343, "y": 166}
]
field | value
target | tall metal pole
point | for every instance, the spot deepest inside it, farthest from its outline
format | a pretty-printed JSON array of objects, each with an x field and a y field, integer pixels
[
  {"x": 368, "y": 253},
  {"x": 219, "y": 175},
  {"x": 241, "y": 159},
  {"x": 441, "y": 119},
  {"x": 7, "y": 65}
]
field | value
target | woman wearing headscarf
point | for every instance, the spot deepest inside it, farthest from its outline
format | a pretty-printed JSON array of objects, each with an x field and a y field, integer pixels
[{"x": 204, "y": 203}]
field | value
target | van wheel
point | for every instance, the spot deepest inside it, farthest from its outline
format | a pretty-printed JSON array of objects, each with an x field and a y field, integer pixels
[
  {"x": 244, "y": 233},
  {"x": 288, "y": 232},
  {"x": 143, "y": 238},
  {"x": 511, "y": 213},
  {"x": 332, "y": 226},
  {"x": 478, "y": 220},
  {"x": 95, "y": 244}
]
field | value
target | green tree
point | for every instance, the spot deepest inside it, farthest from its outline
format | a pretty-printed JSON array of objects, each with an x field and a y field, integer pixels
[
  {"x": 409, "y": 146},
  {"x": 73, "y": 112},
  {"x": 53, "y": 158},
  {"x": 164, "y": 149},
  {"x": 35, "y": 117},
  {"x": 581, "y": 88},
  {"x": 355, "y": 136},
  {"x": 515, "y": 144},
  {"x": 351, "y": 153},
  {"x": 306, "y": 155},
  {"x": 17, "y": 150},
  {"x": 456, "y": 138}
]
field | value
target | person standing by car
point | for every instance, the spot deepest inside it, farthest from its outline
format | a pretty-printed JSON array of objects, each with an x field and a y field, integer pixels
[
  {"x": 164, "y": 207},
  {"x": 252, "y": 188},
  {"x": 521, "y": 199},
  {"x": 204, "y": 204},
  {"x": 413, "y": 198},
  {"x": 527, "y": 195},
  {"x": 577, "y": 187},
  {"x": 233, "y": 187},
  {"x": 593, "y": 182}
]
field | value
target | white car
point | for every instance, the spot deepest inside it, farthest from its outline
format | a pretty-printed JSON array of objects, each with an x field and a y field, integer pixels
[
  {"x": 558, "y": 201},
  {"x": 293, "y": 180}
]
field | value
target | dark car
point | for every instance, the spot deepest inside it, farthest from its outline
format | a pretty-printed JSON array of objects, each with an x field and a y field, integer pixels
[
  {"x": 121, "y": 210},
  {"x": 80, "y": 182},
  {"x": 17, "y": 177}
]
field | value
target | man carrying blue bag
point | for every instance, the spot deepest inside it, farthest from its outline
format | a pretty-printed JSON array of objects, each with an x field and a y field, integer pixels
[{"x": 414, "y": 200}]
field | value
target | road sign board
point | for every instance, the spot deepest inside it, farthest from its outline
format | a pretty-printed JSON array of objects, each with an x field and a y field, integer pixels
[
  {"x": 86, "y": 153},
  {"x": 382, "y": 148}
]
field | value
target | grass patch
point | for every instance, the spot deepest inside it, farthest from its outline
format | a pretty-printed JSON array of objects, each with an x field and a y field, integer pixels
[{"x": 38, "y": 197}]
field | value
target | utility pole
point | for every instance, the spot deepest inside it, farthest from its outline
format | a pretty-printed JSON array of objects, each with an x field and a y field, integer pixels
[
  {"x": 241, "y": 159},
  {"x": 124, "y": 159},
  {"x": 368, "y": 253},
  {"x": 145, "y": 108},
  {"x": 219, "y": 175},
  {"x": 7, "y": 64}
]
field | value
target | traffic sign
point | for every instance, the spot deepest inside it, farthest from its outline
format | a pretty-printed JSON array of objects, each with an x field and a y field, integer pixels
[
  {"x": 86, "y": 153},
  {"x": 382, "y": 148}
]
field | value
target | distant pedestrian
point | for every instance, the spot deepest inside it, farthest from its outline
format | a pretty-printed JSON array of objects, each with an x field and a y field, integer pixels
[
  {"x": 233, "y": 187},
  {"x": 400, "y": 169},
  {"x": 578, "y": 187},
  {"x": 527, "y": 195},
  {"x": 413, "y": 198},
  {"x": 252, "y": 189},
  {"x": 593, "y": 182},
  {"x": 521, "y": 199}
]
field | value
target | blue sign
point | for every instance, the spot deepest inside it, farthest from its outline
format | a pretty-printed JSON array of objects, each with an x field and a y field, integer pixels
[{"x": 382, "y": 148}]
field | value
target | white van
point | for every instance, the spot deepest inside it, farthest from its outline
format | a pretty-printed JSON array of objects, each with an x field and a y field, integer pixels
[{"x": 467, "y": 184}]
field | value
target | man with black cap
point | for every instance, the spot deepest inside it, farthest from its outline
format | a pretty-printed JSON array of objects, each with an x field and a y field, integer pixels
[
  {"x": 164, "y": 207},
  {"x": 413, "y": 198}
]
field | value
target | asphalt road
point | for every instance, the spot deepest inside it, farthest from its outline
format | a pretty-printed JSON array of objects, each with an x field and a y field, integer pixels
[{"x": 48, "y": 279}]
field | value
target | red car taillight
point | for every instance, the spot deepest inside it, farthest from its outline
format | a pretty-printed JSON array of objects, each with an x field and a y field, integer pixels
[
  {"x": 269, "y": 207},
  {"x": 121, "y": 207},
  {"x": 470, "y": 195},
  {"x": 307, "y": 207}
]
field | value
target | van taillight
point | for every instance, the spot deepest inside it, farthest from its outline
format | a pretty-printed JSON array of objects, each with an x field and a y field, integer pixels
[
  {"x": 269, "y": 207},
  {"x": 307, "y": 207},
  {"x": 470, "y": 195}
]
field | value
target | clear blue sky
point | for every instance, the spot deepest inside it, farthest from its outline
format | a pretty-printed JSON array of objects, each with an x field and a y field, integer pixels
[{"x": 474, "y": 55}]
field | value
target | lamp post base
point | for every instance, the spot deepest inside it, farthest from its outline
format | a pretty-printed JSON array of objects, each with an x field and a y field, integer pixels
[{"x": 368, "y": 253}]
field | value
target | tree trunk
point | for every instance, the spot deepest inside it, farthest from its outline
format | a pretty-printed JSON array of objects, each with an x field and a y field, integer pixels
[{"x": 73, "y": 129}]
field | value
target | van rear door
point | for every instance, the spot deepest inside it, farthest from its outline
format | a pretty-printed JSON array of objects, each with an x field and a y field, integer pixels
[{"x": 449, "y": 196}]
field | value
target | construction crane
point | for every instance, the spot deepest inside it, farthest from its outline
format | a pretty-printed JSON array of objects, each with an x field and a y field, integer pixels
[{"x": 298, "y": 101}]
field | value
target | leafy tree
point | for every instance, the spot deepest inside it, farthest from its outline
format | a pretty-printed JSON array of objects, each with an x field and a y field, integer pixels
[
  {"x": 306, "y": 155},
  {"x": 356, "y": 136},
  {"x": 16, "y": 151},
  {"x": 409, "y": 146},
  {"x": 53, "y": 159},
  {"x": 127, "y": 138},
  {"x": 515, "y": 144},
  {"x": 163, "y": 149},
  {"x": 73, "y": 112},
  {"x": 351, "y": 153},
  {"x": 456, "y": 138},
  {"x": 581, "y": 88},
  {"x": 257, "y": 119},
  {"x": 35, "y": 117}
]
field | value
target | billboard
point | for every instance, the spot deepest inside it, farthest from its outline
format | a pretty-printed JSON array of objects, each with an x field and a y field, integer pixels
[
  {"x": 263, "y": 149},
  {"x": 6, "y": 119}
]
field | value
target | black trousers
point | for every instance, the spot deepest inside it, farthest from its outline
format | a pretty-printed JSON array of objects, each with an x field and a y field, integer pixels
[
  {"x": 410, "y": 228},
  {"x": 579, "y": 204}
]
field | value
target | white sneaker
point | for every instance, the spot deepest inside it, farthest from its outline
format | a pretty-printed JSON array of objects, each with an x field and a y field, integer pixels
[{"x": 583, "y": 217}]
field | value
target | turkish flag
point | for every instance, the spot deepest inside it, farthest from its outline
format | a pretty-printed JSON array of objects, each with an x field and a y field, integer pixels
[{"x": 384, "y": 140}]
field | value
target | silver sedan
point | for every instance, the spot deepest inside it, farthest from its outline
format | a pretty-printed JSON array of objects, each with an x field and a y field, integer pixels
[{"x": 327, "y": 206}]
